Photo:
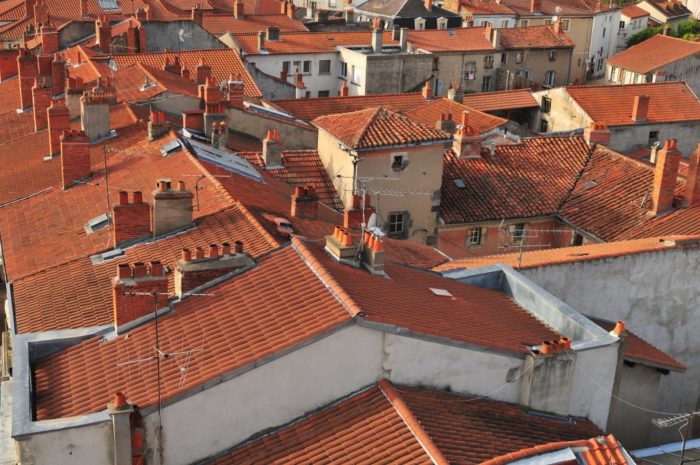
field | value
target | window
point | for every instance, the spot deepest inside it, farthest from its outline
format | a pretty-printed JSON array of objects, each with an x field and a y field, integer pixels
[
  {"x": 332, "y": 3},
  {"x": 397, "y": 223},
  {"x": 399, "y": 161},
  {"x": 470, "y": 71},
  {"x": 356, "y": 74},
  {"x": 307, "y": 94},
  {"x": 504, "y": 23},
  {"x": 549, "y": 79},
  {"x": 524, "y": 22},
  {"x": 285, "y": 66},
  {"x": 486, "y": 84},
  {"x": 653, "y": 137},
  {"x": 488, "y": 61},
  {"x": 442, "y": 23},
  {"x": 546, "y": 104},
  {"x": 324, "y": 67},
  {"x": 518, "y": 57},
  {"x": 600, "y": 64},
  {"x": 342, "y": 69},
  {"x": 544, "y": 126},
  {"x": 552, "y": 55},
  {"x": 604, "y": 32},
  {"x": 577, "y": 240},
  {"x": 564, "y": 25},
  {"x": 503, "y": 58},
  {"x": 517, "y": 233},
  {"x": 419, "y": 24},
  {"x": 324, "y": 93},
  {"x": 307, "y": 67},
  {"x": 622, "y": 24},
  {"x": 475, "y": 237}
]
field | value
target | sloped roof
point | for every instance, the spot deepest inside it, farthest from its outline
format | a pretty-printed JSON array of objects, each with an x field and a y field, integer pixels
[
  {"x": 670, "y": 8},
  {"x": 534, "y": 37},
  {"x": 377, "y": 127},
  {"x": 307, "y": 42},
  {"x": 668, "y": 102},
  {"x": 465, "y": 39},
  {"x": 522, "y": 180},
  {"x": 404, "y": 9},
  {"x": 129, "y": 81},
  {"x": 389, "y": 424},
  {"x": 485, "y": 7},
  {"x": 222, "y": 24},
  {"x": 502, "y": 100},
  {"x": 560, "y": 7},
  {"x": 431, "y": 112},
  {"x": 633, "y": 11},
  {"x": 307, "y": 109},
  {"x": 654, "y": 53}
]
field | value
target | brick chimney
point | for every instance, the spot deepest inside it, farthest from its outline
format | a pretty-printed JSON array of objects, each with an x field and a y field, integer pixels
[
  {"x": 272, "y": 151},
  {"x": 597, "y": 133},
  {"x": 300, "y": 86},
  {"x": 58, "y": 120},
  {"x": 535, "y": 6},
  {"x": 41, "y": 14},
  {"x": 238, "y": 10},
  {"x": 58, "y": 74},
  {"x": 428, "y": 4},
  {"x": 75, "y": 157},
  {"x": 455, "y": 92},
  {"x": 103, "y": 33},
  {"x": 8, "y": 63},
  {"x": 175, "y": 67},
  {"x": 640, "y": 108},
  {"x": 73, "y": 90},
  {"x": 193, "y": 272},
  {"x": 157, "y": 126},
  {"x": 172, "y": 208},
  {"x": 304, "y": 202},
  {"x": 353, "y": 216},
  {"x": 372, "y": 254},
  {"x": 197, "y": 14},
  {"x": 692, "y": 185},
  {"x": 665, "y": 177},
  {"x": 41, "y": 101},
  {"x": 94, "y": 110},
  {"x": 344, "y": 89},
  {"x": 193, "y": 119},
  {"x": 84, "y": 8},
  {"x": 143, "y": 41},
  {"x": 427, "y": 91},
  {"x": 377, "y": 40},
  {"x": 49, "y": 39},
  {"x": 138, "y": 290},
  {"x": 202, "y": 72},
  {"x": 132, "y": 40},
  {"x": 467, "y": 143},
  {"x": 446, "y": 123},
  {"x": 235, "y": 91},
  {"x": 27, "y": 71},
  {"x": 131, "y": 220}
]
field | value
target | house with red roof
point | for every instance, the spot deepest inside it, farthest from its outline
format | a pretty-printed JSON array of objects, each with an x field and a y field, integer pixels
[
  {"x": 637, "y": 115},
  {"x": 666, "y": 12},
  {"x": 483, "y": 12},
  {"x": 632, "y": 20}
]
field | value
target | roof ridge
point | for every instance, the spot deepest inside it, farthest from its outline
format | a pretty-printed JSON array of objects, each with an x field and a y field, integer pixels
[
  {"x": 412, "y": 423},
  {"x": 326, "y": 278},
  {"x": 371, "y": 120}
]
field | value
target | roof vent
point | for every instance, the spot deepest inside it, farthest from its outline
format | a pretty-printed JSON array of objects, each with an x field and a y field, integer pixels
[{"x": 97, "y": 223}]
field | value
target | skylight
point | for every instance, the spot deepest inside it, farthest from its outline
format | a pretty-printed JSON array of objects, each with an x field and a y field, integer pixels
[
  {"x": 109, "y": 5},
  {"x": 440, "y": 292},
  {"x": 97, "y": 223},
  {"x": 460, "y": 184}
]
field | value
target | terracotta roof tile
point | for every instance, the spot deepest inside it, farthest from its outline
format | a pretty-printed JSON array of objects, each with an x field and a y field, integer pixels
[
  {"x": 15, "y": 30},
  {"x": 559, "y": 7},
  {"x": 377, "y": 127},
  {"x": 668, "y": 102},
  {"x": 222, "y": 24},
  {"x": 306, "y": 42},
  {"x": 670, "y": 8},
  {"x": 503, "y": 100},
  {"x": 24, "y": 172},
  {"x": 244, "y": 320},
  {"x": 534, "y": 37},
  {"x": 430, "y": 113},
  {"x": 12, "y": 10},
  {"x": 224, "y": 64},
  {"x": 465, "y": 39},
  {"x": 14, "y": 125},
  {"x": 9, "y": 95},
  {"x": 309, "y": 109},
  {"x": 654, "y": 53},
  {"x": 522, "y": 180},
  {"x": 129, "y": 81},
  {"x": 484, "y": 7},
  {"x": 633, "y": 12}
]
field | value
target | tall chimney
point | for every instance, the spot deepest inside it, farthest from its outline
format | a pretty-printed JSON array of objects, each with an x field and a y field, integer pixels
[
  {"x": 202, "y": 72},
  {"x": 360, "y": 210},
  {"x": 467, "y": 143},
  {"x": 304, "y": 202},
  {"x": 27, "y": 71},
  {"x": 640, "y": 108},
  {"x": 172, "y": 208},
  {"x": 103, "y": 33},
  {"x": 58, "y": 120},
  {"x": 41, "y": 14},
  {"x": 597, "y": 133},
  {"x": 49, "y": 39},
  {"x": 235, "y": 92},
  {"x": 58, "y": 74},
  {"x": 665, "y": 177},
  {"x": 157, "y": 126},
  {"x": 197, "y": 14},
  {"x": 41, "y": 100},
  {"x": 455, "y": 92},
  {"x": 131, "y": 220},
  {"x": 138, "y": 290},
  {"x": 272, "y": 152},
  {"x": 427, "y": 90},
  {"x": 446, "y": 123},
  {"x": 535, "y": 6},
  {"x": 238, "y": 11},
  {"x": 191, "y": 273},
  {"x": 75, "y": 157},
  {"x": 94, "y": 110},
  {"x": 428, "y": 4},
  {"x": 692, "y": 184},
  {"x": 377, "y": 39},
  {"x": 403, "y": 38},
  {"x": 121, "y": 411},
  {"x": 344, "y": 91},
  {"x": 495, "y": 38}
]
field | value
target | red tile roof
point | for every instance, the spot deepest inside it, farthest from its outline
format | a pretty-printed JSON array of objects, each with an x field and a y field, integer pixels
[
  {"x": 222, "y": 24},
  {"x": 655, "y": 53},
  {"x": 308, "y": 109},
  {"x": 484, "y": 7},
  {"x": 224, "y": 64},
  {"x": 522, "y": 180},
  {"x": 670, "y": 8},
  {"x": 14, "y": 125},
  {"x": 133, "y": 164},
  {"x": 9, "y": 96},
  {"x": 668, "y": 102},
  {"x": 534, "y": 37},
  {"x": 24, "y": 172},
  {"x": 377, "y": 127},
  {"x": 503, "y": 100},
  {"x": 129, "y": 81},
  {"x": 467, "y": 39},
  {"x": 405, "y": 425},
  {"x": 306, "y": 42},
  {"x": 243, "y": 320},
  {"x": 12, "y": 10},
  {"x": 633, "y": 12},
  {"x": 559, "y": 7},
  {"x": 430, "y": 113}
]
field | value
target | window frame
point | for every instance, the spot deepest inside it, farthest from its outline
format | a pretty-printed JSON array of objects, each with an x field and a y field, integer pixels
[
  {"x": 343, "y": 69},
  {"x": 488, "y": 61},
  {"x": 470, "y": 71},
  {"x": 519, "y": 57},
  {"x": 475, "y": 237},
  {"x": 320, "y": 67},
  {"x": 394, "y": 220},
  {"x": 565, "y": 24},
  {"x": 517, "y": 233},
  {"x": 546, "y": 104},
  {"x": 550, "y": 78}
]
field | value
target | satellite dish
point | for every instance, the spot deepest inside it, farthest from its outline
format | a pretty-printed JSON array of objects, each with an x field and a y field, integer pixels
[{"x": 554, "y": 18}]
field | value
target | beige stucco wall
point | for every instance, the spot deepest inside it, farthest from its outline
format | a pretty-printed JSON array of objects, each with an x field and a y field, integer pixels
[
  {"x": 564, "y": 115},
  {"x": 71, "y": 446},
  {"x": 452, "y": 67},
  {"x": 537, "y": 63}
]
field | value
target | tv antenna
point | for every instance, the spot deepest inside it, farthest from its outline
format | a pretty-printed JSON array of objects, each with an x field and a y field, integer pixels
[
  {"x": 682, "y": 419},
  {"x": 516, "y": 237}
]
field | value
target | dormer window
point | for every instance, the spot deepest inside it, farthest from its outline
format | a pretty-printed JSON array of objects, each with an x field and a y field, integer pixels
[
  {"x": 442, "y": 23},
  {"x": 273, "y": 33},
  {"x": 419, "y": 24}
]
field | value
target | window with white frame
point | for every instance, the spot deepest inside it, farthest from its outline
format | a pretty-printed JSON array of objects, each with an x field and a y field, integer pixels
[
  {"x": 488, "y": 61},
  {"x": 518, "y": 57},
  {"x": 356, "y": 75},
  {"x": 504, "y": 23},
  {"x": 397, "y": 223},
  {"x": 442, "y": 23},
  {"x": 419, "y": 24},
  {"x": 549, "y": 79},
  {"x": 470, "y": 71},
  {"x": 332, "y": 3},
  {"x": 524, "y": 22},
  {"x": 324, "y": 67},
  {"x": 307, "y": 67},
  {"x": 564, "y": 25},
  {"x": 475, "y": 237},
  {"x": 552, "y": 55},
  {"x": 517, "y": 233},
  {"x": 342, "y": 69}
]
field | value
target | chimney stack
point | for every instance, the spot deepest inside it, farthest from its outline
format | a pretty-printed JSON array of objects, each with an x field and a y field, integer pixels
[
  {"x": 103, "y": 33},
  {"x": 495, "y": 38},
  {"x": 597, "y": 133},
  {"x": 446, "y": 124},
  {"x": 659, "y": 76},
  {"x": 396, "y": 33},
  {"x": 665, "y": 177},
  {"x": 192, "y": 273},
  {"x": 157, "y": 126},
  {"x": 272, "y": 152},
  {"x": 172, "y": 208},
  {"x": 403, "y": 39},
  {"x": 58, "y": 74},
  {"x": 138, "y": 290},
  {"x": 427, "y": 91},
  {"x": 131, "y": 220},
  {"x": 49, "y": 39},
  {"x": 120, "y": 411},
  {"x": 235, "y": 92},
  {"x": 692, "y": 184},
  {"x": 428, "y": 5},
  {"x": 58, "y": 120},
  {"x": 84, "y": 8},
  {"x": 556, "y": 26},
  {"x": 349, "y": 14},
  {"x": 41, "y": 14},
  {"x": 373, "y": 254},
  {"x": 377, "y": 39},
  {"x": 640, "y": 108},
  {"x": 219, "y": 135},
  {"x": 354, "y": 216},
  {"x": 75, "y": 157},
  {"x": 94, "y": 110},
  {"x": 27, "y": 71},
  {"x": 304, "y": 202},
  {"x": 202, "y": 72},
  {"x": 467, "y": 143},
  {"x": 340, "y": 245},
  {"x": 535, "y": 6},
  {"x": 238, "y": 9},
  {"x": 300, "y": 86},
  {"x": 455, "y": 93},
  {"x": 197, "y": 14},
  {"x": 41, "y": 101},
  {"x": 344, "y": 88}
]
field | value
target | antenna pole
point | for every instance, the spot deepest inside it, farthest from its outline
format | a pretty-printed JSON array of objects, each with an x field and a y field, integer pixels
[{"x": 159, "y": 432}]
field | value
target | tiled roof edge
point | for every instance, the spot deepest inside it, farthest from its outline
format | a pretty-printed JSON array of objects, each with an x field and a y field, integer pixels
[{"x": 412, "y": 423}]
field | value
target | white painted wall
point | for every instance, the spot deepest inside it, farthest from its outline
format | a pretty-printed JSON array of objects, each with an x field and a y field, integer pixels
[
  {"x": 631, "y": 27},
  {"x": 603, "y": 39},
  {"x": 594, "y": 376},
  {"x": 314, "y": 82}
]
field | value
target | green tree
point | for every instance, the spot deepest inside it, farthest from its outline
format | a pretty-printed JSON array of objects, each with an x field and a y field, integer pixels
[{"x": 687, "y": 30}]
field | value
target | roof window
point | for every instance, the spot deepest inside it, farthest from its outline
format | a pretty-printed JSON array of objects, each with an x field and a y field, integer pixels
[{"x": 97, "y": 223}]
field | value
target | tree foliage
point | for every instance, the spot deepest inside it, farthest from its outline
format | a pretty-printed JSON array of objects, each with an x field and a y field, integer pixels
[{"x": 687, "y": 30}]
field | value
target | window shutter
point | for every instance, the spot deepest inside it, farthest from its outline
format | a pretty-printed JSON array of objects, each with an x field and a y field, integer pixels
[{"x": 482, "y": 239}]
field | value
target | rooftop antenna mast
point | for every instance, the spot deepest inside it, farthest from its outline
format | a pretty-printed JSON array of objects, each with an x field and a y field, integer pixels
[
  {"x": 511, "y": 236},
  {"x": 682, "y": 419}
]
